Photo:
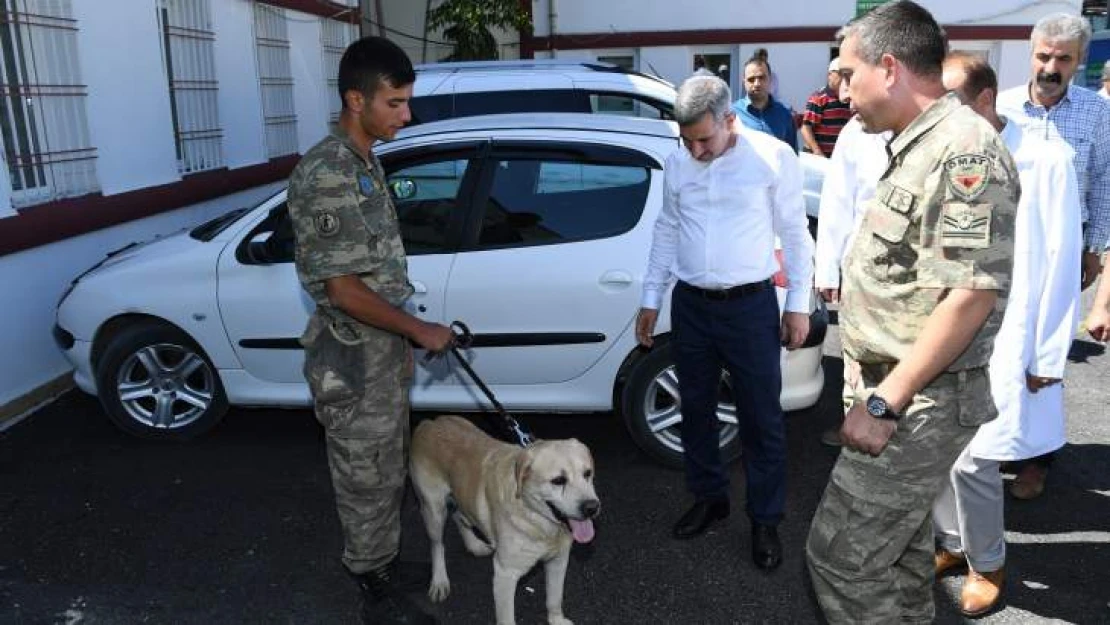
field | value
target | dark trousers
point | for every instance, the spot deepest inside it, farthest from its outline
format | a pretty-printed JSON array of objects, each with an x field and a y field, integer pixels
[{"x": 742, "y": 336}]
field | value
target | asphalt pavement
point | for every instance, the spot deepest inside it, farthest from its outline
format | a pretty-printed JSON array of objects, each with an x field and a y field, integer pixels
[{"x": 240, "y": 527}]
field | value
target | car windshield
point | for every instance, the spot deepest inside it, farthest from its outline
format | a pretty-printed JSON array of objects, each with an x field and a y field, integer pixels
[{"x": 209, "y": 229}]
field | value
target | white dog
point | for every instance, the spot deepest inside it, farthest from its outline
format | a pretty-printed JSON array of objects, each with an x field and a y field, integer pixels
[{"x": 521, "y": 505}]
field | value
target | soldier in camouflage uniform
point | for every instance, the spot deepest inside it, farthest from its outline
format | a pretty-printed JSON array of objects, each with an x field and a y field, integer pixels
[
  {"x": 358, "y": 361},
  {"x": 923, "y": 294}
]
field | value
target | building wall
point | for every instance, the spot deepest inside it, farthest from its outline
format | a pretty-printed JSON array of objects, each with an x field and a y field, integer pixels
[
  {"x": 131, "y": 127},
  {"x": 735, "y": 28},
  {"x": 404, "y": 25}
]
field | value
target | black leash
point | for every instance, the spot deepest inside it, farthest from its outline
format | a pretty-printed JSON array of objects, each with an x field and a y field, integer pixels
[{"x": 463, "y": 339}]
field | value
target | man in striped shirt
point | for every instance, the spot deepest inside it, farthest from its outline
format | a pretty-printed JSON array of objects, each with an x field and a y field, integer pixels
[{"x": 825, "y": 116}]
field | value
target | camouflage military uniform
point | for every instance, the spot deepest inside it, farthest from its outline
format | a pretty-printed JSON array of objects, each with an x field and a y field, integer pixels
[
  {"x": 346, "y": 224},
  {"x": 942, "y": 218}
]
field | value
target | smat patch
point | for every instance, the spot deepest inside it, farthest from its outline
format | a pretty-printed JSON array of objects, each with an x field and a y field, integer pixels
[
  {"x": 326, "y": 223},
  {"x": 967, "y": 175}
]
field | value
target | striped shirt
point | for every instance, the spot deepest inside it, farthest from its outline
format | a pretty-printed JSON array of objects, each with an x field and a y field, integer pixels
[
  {"x": 1079, "y": 120},
  {"x": 826, "y": 115}
]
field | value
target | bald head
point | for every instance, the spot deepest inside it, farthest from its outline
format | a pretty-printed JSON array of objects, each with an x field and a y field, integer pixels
[{"x": 974, "y": 81}]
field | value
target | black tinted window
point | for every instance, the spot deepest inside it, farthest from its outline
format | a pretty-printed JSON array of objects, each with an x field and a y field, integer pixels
[
  {"x": 426, "y": 197},
  {"x": 554, "y": 201},
  {"x": 435, "y": 107}
]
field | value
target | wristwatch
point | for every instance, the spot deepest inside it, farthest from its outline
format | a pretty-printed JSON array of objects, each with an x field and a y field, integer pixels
[{"x": 877, "y": 407}]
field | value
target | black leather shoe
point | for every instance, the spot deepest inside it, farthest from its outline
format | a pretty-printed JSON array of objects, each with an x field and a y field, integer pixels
[
  {"x": 384, "y": 601},
  {"x": 766, "y": 548},
  {"x": 698, "y": 518}
]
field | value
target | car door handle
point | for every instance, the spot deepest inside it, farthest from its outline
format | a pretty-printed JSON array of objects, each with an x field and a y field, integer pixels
[
  {"x": 616, "y": 278},
  {"x": 419, "y": 288}
]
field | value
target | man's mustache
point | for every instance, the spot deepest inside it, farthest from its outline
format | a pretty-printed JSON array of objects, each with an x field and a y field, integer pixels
[{"x": 1050, "y": 79}]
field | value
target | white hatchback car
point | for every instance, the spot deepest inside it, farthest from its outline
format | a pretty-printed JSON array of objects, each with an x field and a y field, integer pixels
[{"x": 532, "y": 229}]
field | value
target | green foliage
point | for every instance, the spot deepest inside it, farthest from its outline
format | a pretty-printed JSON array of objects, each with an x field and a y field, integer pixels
[{"x": 467, "y": 24}]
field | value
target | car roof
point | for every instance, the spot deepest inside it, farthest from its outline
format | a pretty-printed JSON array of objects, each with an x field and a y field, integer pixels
[
  {"x": 547, "y": 121},
  {"x": 532, "y": 64}
]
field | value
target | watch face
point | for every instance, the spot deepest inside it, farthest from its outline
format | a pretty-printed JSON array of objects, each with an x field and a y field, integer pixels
[{"x": 876, "y": 406}]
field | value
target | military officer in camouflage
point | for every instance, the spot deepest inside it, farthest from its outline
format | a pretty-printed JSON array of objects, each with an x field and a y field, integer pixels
[
  {"x": 358, "y": 361},
  {"x": 923, "y": 294}
]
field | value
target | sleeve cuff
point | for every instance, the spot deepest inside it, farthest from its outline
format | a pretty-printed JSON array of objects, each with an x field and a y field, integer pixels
[
  {"x": 797, "y": 300},
  {"x": 652, "y": 298}
]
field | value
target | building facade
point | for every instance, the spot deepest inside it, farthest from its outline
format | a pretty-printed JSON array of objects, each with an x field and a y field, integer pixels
[
  {"x": 798, "y": 35},
  {"x": 125, "y": 120}
]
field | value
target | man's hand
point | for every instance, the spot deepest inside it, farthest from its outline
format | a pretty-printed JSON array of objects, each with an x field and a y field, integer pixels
[
  {"x": 434, "y": 337},
  {"x": 865, "y": 433},
  {"x": 1092, "y": 266},
  {"x": 795, "y": 329},
  {"x": 1035, "y": 383},
  {"x": 1098, "y": 323},
  {"x": 832, "y": 296},
  {"x": 645, "y": 326}
]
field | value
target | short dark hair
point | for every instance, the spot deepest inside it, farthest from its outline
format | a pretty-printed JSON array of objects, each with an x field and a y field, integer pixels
[
  {"x": 904, "y": 30},
  {"x": 759, "y": 56},
  {"x": 979, "y": 75},
  {"x": 371, "y": 60}
]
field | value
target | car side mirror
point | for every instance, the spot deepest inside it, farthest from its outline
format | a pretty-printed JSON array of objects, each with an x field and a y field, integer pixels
[{"x": 402, "y": 188}]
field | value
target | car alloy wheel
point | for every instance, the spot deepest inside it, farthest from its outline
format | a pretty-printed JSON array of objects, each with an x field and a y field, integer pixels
[
  {"x": 652, "y": 410},
  {"x": 165, "y": 386},
  {"x": 155, "y": 382}
]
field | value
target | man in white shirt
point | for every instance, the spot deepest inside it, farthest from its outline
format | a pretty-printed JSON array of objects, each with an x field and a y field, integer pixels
[
  {"x": 728, "y": 192},
  {"x": 1030, "y": 350},
  {"x": 1050, "y": 107}
]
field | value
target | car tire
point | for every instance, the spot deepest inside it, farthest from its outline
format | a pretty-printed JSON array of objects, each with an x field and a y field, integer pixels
[
  {"x": 651, "y": 411},
  {"x": 181, "y": 400}
]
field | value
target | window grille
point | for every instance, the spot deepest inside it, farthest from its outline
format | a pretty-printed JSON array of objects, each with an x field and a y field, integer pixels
[
  {"x": 271, "y": 34},
  {"x": 336, "y": 37},
  {"x": 43, "y": 122},
  {"x": 188, "y": 49}
]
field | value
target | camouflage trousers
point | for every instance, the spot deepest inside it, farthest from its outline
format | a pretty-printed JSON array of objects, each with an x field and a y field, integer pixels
[
  {"x": 361, "y": 395},
  {"x": 870, "y": 548}
]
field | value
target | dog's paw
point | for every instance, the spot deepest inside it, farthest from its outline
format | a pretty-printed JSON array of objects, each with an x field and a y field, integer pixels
[
  {"x": 438, "y": 590},
  {"x": 558, "y": 619}
]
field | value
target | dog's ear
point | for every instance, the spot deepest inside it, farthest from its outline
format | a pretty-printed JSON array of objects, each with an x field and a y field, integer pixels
[{"x": 522, "y": 468}]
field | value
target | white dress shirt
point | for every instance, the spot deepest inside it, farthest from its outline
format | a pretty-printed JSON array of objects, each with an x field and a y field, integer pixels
[
  {"x": 1043, "y": 305},
  {"x": 857, "y": 162},
  {"x": 719, "y": 220}
]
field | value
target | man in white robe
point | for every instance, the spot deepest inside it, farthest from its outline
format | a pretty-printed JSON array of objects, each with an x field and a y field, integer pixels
[{"x": 1030, "y": 350}]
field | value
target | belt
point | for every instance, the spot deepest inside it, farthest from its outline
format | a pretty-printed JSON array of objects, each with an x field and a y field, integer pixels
[{"x": 734, "y": 292}]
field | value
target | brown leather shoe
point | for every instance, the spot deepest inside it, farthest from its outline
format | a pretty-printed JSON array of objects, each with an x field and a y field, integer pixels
[
  {"x": 981, "y": 592},
  {"x": 945, "y": 562},
  {"x": 1029, "y": 483}
]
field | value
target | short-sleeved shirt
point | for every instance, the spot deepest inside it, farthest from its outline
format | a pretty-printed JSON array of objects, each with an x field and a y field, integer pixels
[
  {"x": 826, "y": 114},
  {"x": 774, "y": 119},
  {"x": 942, "y": 218},
  {"x": 345, "y": 224}
]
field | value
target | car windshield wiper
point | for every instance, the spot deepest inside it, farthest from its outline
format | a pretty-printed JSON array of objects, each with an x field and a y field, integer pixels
[{"x": 209, "y": 229}]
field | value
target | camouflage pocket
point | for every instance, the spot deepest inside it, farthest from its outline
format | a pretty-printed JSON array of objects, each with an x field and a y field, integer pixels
[
  {"x": 976, "y": 404},
  {"x": 334, "y": 371}
]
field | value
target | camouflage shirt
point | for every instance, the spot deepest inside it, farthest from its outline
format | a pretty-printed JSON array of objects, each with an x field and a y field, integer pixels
[
  {"x": 942, "y": 218},
  {"x": 345, "y": 224}
]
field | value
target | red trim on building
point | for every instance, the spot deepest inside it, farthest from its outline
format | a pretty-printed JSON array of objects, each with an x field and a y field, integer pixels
[
  {"x": 527, "y": 51},
  {"x": 807, "y": 34},
  {"x": 64, "y": 219},
  {"x": 323, "y": 8}
]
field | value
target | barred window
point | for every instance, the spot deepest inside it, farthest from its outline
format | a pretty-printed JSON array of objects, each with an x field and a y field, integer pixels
[
  {"x": 189, "y": 52},
  {"x": 271, "y": 35},
  {"x": 43, "y": 122},
  {"x": 336, "y": 37}
]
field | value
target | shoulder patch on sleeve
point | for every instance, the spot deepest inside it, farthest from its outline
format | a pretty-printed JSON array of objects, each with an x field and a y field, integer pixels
[
  {"x": 967, "y": 175},
  {"x": 326, "y": 222},
  {"x": 965, "y": 225}
]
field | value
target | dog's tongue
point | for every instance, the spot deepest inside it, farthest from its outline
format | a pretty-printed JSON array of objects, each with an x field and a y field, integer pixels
[{"x": 583, "y": 531}]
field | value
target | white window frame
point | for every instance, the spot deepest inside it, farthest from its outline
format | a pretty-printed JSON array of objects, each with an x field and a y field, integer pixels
[
  {"x": 335, "y": 36},
  {"x": 188, "y": 54},
  {"x": 275, "y": 79},
  {"x": 47, "y": 149}
]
